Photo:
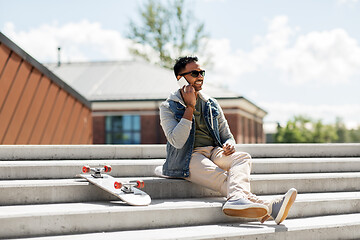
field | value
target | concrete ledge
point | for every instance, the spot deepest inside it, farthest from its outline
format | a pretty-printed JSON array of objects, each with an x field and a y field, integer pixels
[
  {"x": 23, "y": 152},
  {"x": 73, "y": 218},
  {"x": 21, "y": 192},
  {"x": 78, "y": 190},
  {"x": 63, "y": 152},
  {"x": 305, "y": 165},
  {"x": 300, "y": 150},
  {"x": 60, "y": 169},
  {"x": 320, "y": 228},
  {"x": 305, "y": 182}
]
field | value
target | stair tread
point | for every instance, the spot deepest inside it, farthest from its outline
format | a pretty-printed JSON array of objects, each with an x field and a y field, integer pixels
[
  {"x": 160, "y": 161},
  {"x": 224, "y": 230},
  {"x": 165, "y": 204},
  {"x": 41, "y": 195},
  {"x": 132, "y": 162},
  {"x": 253, "y": 177}
]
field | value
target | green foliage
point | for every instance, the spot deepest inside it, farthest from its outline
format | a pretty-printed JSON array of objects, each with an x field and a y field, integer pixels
[
  {"x": 305, "y": 130},
  {"x": 169, "y": 30},
  {"x": 295, "y": 131}
]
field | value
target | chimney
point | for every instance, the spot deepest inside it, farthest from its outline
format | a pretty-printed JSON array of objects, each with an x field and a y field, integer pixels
[{"x": 59, "y": 62}]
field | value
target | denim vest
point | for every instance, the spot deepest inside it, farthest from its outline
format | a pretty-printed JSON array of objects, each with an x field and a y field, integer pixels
[{"x": 178, "y": 160}]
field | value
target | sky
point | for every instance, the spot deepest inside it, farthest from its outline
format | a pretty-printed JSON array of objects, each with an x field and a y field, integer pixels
[{"x": 299, "y": 57}]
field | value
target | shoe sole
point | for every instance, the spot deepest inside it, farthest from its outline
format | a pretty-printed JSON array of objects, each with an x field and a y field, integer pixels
[
  {"x": 284, "y": 211},
  {"x": 262, "y": 220},
  {"x": 254, "y": 212}
]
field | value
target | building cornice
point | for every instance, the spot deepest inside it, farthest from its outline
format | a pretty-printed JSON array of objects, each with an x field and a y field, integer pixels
[{"x": 230, "y": 105}]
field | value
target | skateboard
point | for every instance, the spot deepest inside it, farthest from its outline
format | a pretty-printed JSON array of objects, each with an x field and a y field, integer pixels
[{"x": 127, "y": 191}]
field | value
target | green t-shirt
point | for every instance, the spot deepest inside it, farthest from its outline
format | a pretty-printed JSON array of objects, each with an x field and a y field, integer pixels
[{"x": 203, "y": 137}]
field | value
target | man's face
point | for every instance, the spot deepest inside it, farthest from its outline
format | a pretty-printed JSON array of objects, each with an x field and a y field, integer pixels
[{"x": 196, "y": 82}]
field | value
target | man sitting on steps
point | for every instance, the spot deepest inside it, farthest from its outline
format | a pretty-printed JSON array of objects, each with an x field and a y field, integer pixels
[{"x": 201, "y": 148}]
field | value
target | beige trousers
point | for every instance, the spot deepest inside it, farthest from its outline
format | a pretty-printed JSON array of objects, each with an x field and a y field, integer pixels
[{"x": 228, "y": 175}]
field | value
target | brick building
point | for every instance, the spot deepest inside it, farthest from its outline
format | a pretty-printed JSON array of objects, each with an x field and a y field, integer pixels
[
  {"x": 37, "y": 107},
  {"x": 126, "y": 95}
]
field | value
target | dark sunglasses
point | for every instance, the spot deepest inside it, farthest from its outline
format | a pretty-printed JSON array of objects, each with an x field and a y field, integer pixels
[{"x": 195, "y": 73}]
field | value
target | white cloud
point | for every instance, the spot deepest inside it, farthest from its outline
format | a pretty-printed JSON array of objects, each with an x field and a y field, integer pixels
[
  {"x": 347, "y": 2},
  {"x": 325, "y": 57},
  {"x": 282, "y": 111},
  {"x": 278, "y": 35},
  {"x": 79, "y": 41},
  {"x": 317, "y": 57}
]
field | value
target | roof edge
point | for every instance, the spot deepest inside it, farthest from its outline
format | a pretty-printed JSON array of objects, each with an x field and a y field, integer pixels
[
  {"x": 163, "y": 99},
  {"x": 27, "y": 57}
]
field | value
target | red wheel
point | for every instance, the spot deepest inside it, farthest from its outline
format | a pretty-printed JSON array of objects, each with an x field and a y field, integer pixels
[
  {"x": 107, "y": 168},
  {"x": 140, "y": 184},
  {"x": 85, "y": 169},
  {"x": 117, "y": 185}
]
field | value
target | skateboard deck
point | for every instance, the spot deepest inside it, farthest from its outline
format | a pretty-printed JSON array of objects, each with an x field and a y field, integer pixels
[{"x": 127, "y": 191}]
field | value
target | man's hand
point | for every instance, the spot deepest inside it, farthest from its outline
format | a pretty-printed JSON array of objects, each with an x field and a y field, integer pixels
[
  {"x": 188, "y": 94},
  {"x": 189, "y": 97},
  {"x": 228, "y": 149}
]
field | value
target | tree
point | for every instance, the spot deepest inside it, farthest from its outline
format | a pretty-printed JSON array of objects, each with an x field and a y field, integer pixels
[
  {"x": 295, "y": 131},
  {"x": 167, "y": 31},
  {"x": 324, "y": 133},
  {"x": 354, "y": 135},
  {"x": 342, "y": 132},
  {"x": 304, "y": 130}
]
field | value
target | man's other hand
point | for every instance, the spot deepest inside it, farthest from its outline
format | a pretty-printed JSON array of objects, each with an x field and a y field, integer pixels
[{"x": 228, "y": 149}]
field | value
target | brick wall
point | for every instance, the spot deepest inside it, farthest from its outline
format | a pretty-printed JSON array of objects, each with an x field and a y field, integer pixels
[
  {"x": 99, "y": 129},
  {"x": 245, "y": 130}
]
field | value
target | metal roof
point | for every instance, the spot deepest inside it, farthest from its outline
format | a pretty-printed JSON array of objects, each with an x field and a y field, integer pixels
[{"x": 125, "y": 80}]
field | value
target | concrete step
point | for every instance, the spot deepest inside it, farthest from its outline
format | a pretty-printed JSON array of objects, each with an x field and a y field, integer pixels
[
  {"x": 40, "y": 195},
  {"x": 60, "y": 169},
  {"x": 344, "y": 226},
  {"x": 79, "y": 190},
  {"x": 75, "y": 218},
  {"x": 305, "y": 165},
  {"x": 305, "y": 182},
  {"x": 63, "y": 152}
]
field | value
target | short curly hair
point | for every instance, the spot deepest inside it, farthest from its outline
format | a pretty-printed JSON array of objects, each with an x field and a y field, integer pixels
[{"x": 181, "y": 62}]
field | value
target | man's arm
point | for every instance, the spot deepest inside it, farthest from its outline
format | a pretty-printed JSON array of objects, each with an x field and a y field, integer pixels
[{"x": 176, "y": 132}]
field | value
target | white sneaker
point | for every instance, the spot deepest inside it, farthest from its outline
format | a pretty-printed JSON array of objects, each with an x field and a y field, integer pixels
[
  {"x": 245, "y": 209},
  {"x": 158, "y": 172},
  {"x": 279, "y": 208}
]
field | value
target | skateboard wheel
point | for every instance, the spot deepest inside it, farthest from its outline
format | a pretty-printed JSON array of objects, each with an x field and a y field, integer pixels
[
  {"x": 107, "y": 168},
  {"x": 140, "y": 184},
  {"x": 86, "y": 169},
  {"x": 117, "y": 185}
]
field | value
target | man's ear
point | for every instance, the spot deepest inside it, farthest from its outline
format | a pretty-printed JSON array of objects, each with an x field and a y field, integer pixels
[{"x": 178, "y": 77}]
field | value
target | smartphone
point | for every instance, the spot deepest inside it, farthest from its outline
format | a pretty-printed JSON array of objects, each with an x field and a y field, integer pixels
[{"x": 182, "y": 82}]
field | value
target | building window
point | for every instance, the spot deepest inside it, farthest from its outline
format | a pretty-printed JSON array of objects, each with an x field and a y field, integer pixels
[{"x": 123, "y": 129}]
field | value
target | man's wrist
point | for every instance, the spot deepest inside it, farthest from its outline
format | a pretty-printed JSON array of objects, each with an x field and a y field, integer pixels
[{"x": 191, "y": 106}]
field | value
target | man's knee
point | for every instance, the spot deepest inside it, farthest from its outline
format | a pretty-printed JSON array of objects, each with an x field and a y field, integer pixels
[{"x": 242, "y": 158}]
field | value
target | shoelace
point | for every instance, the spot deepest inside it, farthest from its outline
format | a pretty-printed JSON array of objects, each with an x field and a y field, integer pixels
[{"x": 277, "y": 200}]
